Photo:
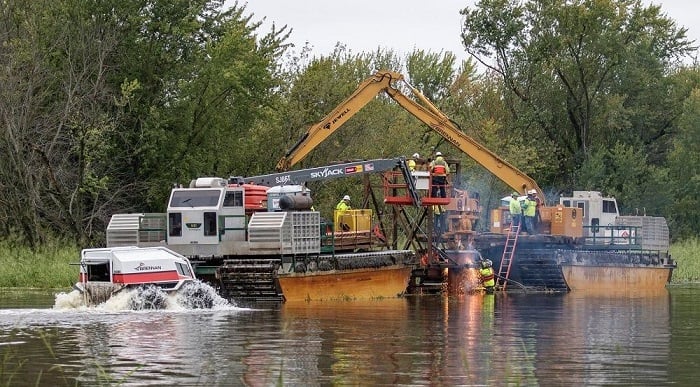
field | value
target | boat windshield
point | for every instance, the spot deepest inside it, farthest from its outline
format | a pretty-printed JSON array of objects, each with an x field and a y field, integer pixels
[
  {"x": 195, "y": 198},
  {"x": 183, "y": 269}
]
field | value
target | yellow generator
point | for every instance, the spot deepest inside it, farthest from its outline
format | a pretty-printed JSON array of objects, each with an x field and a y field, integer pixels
[
  {"x": 352, "y": 220},
  {"x": 563, "y": 220},
  {"x": 559, "y": 220}
]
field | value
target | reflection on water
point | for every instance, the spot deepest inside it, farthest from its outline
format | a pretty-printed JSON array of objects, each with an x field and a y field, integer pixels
[{"x": 521, "y": 339}]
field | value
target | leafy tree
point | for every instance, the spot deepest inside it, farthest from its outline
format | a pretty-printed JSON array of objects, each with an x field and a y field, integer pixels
[
  {"x": 684, "y": 171},
  {"x": 642, "y": 189},
  {"x": 204, "y": 81},
  {"x": 103, "y": 104},
  {"x": 578, "y": 75},
  {"x": 431, "y": 73},
  {"x": 52, "y": 119}
]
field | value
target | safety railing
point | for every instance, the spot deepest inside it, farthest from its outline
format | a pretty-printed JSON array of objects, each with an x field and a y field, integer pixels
[
  {"x": 613, "y": 235},
  {"x": 396, "y": 191}
]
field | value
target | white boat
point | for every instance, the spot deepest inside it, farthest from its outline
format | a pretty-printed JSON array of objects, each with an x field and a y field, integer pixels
[{"x": 106, "y": 271}]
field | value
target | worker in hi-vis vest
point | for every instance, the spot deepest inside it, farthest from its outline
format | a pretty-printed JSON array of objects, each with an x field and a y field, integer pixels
[
  {"x": 487, "y": 276},
  {"x": 438, "y": 175},
  {"x": 515, "y": 210},
  {"x": 340, "y": 209},
  {"x": 412, "y": 162}
]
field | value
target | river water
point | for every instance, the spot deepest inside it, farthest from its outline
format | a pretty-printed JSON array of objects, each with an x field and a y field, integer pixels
[{"x": 514, "y": 339}]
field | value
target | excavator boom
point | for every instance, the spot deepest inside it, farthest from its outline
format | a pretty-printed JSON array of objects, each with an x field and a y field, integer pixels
[
  {"x": 426, "y": 112},
  {"x": 446, "y": 128},
  {"x": 317, "y": 133}
]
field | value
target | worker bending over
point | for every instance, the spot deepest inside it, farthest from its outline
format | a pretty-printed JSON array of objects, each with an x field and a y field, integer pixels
[{"x": 487, "y": 276}]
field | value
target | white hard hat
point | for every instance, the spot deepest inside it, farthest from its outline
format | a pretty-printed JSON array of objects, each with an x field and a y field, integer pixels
[
  {"x": 438, "y": 153},
  {"x": 532, "y": 191},
  {"x": 416, "y": 155},
  {"x": 346, "y": 197}
]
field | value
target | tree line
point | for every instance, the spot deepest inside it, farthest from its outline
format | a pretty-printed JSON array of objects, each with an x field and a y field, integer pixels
[{"x": 105, "y": 104}]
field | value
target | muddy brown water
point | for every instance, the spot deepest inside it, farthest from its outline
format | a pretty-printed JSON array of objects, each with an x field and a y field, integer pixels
[{"x": 628, "y": 338}]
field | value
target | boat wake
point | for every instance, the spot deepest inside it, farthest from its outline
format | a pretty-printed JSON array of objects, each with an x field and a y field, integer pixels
[{"x": 193, "y": 295}]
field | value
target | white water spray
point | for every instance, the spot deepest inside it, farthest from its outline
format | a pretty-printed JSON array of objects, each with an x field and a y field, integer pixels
[{"x": 193, "y": 295}]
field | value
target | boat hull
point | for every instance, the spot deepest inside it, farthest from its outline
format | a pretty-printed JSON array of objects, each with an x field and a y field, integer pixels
[
  {"x": 553, "y": 265},
  {"x": 353, "y": 284},
  {"x": 588, "y": 278}
]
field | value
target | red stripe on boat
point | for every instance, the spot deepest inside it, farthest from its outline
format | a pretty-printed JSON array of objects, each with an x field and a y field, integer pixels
[{"x": 134, "y": 278}]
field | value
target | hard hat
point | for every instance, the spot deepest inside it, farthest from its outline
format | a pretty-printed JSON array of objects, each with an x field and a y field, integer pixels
[
  {"x": 514, "y": 194},
  {"x": 438, "y": 153},
  {"x": 416, "y": 155},
  {"x": 346, "y": 197},
  {"x": 532, "y": 192}
]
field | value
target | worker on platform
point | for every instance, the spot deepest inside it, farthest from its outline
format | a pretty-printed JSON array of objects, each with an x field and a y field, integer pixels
[
  {"x": 515, "y": 210},
  {"x": 487, "y": 276},
  {"x": 340, "y": 209},
  {"x": 439, "y": 170},
  {"x": 344, "y": 204},
  {"x": 529, "y": 209},
  {"x": 412, "y": 162}
]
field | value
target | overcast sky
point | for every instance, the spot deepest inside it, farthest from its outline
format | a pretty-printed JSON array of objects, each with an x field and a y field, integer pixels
[{"x": 401, "y": 25}]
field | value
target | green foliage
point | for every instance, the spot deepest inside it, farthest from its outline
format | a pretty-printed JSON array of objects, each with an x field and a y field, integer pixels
[
  {"x": 623, "y": 171},
  {"x": 431, "y": 73},
  {"x": 122, "y": 98},
  {"x": 593, "y": 90},
  {"x": 687, "y": 256},
  {"x": 207, "y": 79},
  {"x": 580, "y": 74},
  {"x": 684, "y": 171},
  {"x": 47, "y": 267},
  {"x": 53, "y": 68}
]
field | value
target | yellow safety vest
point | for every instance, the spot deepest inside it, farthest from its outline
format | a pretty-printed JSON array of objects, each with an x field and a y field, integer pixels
[
  {"x": 411, "y": 165},
  {"x": 515, "y": 207},
  {"x": 530, "y": 207},
  {"x": 342, "y": 206},
  {"x": 487, "y": 276}
]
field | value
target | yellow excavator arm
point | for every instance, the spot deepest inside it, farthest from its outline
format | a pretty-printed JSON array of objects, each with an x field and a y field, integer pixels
[
  {"x": 316, "y": 134},
  {"x": 426, "y": 112}
]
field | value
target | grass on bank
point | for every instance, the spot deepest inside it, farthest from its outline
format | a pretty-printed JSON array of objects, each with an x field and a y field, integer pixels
[
  {"x": 49, "y": 267},
  {"x": 687, "y": 256},
  {"x": 46, "y": 268}
]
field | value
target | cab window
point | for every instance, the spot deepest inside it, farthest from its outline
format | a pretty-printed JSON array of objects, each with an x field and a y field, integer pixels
[
  {"x": 233, "y": 199},
  {"x": 195, "y": 198},
  {"x": 609, "y": 207}
]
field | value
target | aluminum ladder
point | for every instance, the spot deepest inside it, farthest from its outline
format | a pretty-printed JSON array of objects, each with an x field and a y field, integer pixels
[
  {"x": 410, "y": 182},
  {"x": 507, "y": 258}
]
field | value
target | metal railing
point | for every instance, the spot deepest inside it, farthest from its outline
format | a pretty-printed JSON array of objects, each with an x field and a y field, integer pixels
[{"x": 613, "y": 235}]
